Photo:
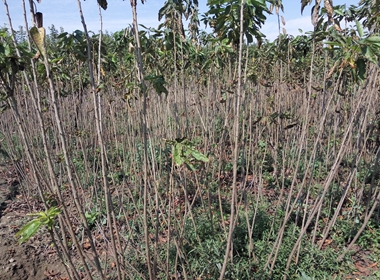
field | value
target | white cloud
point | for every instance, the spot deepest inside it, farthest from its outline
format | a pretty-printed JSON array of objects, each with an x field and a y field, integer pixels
[{"x": 270, "y": 29}]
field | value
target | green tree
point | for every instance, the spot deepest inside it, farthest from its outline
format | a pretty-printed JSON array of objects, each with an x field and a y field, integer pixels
[
  {"x": 174, "y": 11},
  {"x": 224, "y": 17}
]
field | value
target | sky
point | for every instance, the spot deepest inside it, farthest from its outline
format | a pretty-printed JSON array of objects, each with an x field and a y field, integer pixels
[{"x": 64, "y": 13}]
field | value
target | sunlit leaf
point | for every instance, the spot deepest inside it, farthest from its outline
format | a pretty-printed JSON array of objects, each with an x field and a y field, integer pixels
[
  {"x": 42, "y": 218},
  {"x": 99, "y": 87},
  {"x": 368, "y": 53},
  {"x": 7, "y": 50},
  {"x": 373, "y": 40},
  {"x": 27, "y": 231},
  {"x": 359, "y": 26},
  {"x": 340, "y": 10},
  {"x": 53, "y": 211}
]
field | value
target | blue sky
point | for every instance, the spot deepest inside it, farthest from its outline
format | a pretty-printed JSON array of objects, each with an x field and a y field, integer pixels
[{"x": 64, "y": 13}]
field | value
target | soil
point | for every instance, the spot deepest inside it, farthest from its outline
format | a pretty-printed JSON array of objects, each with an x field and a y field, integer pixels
[
  {"x": 36, "y": 259},
  {"x": 33, "y": 260}
]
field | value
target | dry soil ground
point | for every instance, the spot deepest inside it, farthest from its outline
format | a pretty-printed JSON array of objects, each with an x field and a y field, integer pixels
[
  {"x": 37, "y": 260},
  {"x": 33, "y": 260}
]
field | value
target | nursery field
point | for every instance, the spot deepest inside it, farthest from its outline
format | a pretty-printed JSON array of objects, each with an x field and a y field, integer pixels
[{"x": 174, "y": 153}]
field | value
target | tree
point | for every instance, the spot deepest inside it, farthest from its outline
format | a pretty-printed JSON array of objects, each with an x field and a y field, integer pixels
[
  {"x": 224, "y": 17},
  {"x": 174, "y": 10}
]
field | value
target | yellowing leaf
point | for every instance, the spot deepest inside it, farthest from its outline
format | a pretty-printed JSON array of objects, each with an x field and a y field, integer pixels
[
  {"x": 38, "y": 36},
  {"x": 329, "y": 9}
]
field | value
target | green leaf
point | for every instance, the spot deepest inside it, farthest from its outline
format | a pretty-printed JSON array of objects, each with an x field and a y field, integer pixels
[
  {"x": 359, "y": 26},
  {"x": 198, "y": 155},
  {"x": 62, "y": 35},
  {"x": 3, "y": 107},
  {"x": 331, "y": 43},
  {"x": 99, "y": 87},
  {"x": 42, "y": 218},
  {"x": 158, "y": 82},
  {"x": 375, "y": 40},
  {"x": 368, "y": 53},
  {"x": 340, "y": 10},
  {"x": 7, "y": 50},
  {"x": 190, "y": 166},
  {"x": 304, "y": 276},
  {"x": 361, "y": 68},
  {"x": 53, "y": 212},
  {"x": 27, "y": 231},
  {"x": 177, "y": 154}
]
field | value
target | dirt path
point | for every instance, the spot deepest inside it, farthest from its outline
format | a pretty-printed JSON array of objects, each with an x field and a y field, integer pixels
[{"x": 34, "y": 260}]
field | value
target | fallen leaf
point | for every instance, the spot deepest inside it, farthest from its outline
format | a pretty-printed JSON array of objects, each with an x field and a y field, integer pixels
[{"x": 86, "y": 245}]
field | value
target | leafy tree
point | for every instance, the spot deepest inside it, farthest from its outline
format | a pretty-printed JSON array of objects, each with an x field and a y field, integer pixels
[
  {"x": 174, "y": 11},
  {"x": 224, "y": 17}
]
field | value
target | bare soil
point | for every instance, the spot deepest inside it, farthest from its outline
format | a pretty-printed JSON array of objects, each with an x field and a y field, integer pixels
[{"x": 36, "y": 259}]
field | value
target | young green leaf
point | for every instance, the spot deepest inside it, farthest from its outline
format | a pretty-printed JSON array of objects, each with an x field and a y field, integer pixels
[
  {"x": 42, "y": 218},
  {"x": 177, "y": 154},
  {"x": 27, "y": 231},
  {"x": 52, "y": 212},
  {"x": 190, "y": 166},
  {"x": 198, "y": 155}
]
